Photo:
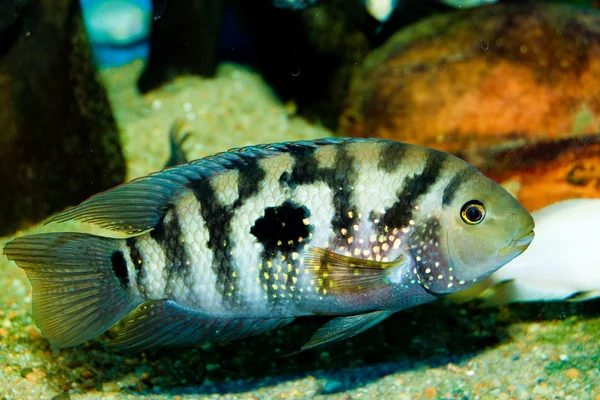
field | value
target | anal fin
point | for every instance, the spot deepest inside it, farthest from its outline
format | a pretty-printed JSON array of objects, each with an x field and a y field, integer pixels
[
  {"x": 164, "y": 323},
  {"x": 341, "y": 328}
]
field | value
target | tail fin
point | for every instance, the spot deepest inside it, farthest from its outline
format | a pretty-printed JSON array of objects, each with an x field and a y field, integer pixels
[{"x": 79, "y": 284}]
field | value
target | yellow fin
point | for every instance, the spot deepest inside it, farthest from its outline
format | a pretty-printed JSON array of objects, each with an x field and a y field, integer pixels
[{"x": 337, "y": 273}]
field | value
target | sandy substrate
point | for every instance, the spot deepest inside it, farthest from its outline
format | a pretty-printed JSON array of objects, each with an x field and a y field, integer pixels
[{"x": 438, "y": 351}]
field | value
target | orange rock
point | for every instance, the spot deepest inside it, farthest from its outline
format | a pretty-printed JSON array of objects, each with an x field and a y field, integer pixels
[
  {"x": 481, "y": 77},
  {"x": 545, "y": 177}
]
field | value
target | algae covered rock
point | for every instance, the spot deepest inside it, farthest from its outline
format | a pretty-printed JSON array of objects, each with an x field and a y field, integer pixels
[
  {"x": 503, "y": 74},
  {"x": 58, "y": 139}
]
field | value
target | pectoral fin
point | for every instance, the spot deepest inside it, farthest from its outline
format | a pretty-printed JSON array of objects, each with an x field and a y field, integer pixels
[
  {"x": 341, "y": 328},
  {"x": 337, "y": 273}
]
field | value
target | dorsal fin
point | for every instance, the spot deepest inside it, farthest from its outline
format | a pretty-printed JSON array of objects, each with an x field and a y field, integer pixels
[{"x": 138, "y": 205}]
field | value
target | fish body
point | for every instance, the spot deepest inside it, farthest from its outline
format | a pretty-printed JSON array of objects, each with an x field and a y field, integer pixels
[{"x": 247, "y": 240}]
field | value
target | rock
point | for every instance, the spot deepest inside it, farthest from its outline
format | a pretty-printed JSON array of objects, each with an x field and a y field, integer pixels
[
  {"x": 548, "y": 172},
  {"x": 473, "y": 79},
  {"x": 58, "y": 142},
  {"x": 183, "y": 40}
]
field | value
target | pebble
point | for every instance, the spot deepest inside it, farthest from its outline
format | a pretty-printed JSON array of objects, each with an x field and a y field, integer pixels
[
  {"x": 87, "y": 374},
  {"x": 572, "y": 373},
  {"x": 33, "y": 333},
  {"x": 430, "y": 392}
]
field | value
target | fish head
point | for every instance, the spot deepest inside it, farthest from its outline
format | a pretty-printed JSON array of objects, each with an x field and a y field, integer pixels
[{"x": 479, "y": 228}]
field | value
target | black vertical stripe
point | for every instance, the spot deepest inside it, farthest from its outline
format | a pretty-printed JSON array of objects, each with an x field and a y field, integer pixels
[
  {"x": 340, "y": 178},
  {"x": 454, "y": 184},
  {"x": 250, "y": 177},
  {"x": 136, "y": 259},
  {"x": 400, "y": 213},
  {"x": 218, "y": 221},
  {"x": 305, "y": 170},
  {"x": 217, "y": 218},
  {"x": 341, "y": 183},
  {"x": 119, "y": 267},
  {"x": 168, "y": 236},
  {"x": 392, "y": 156}
]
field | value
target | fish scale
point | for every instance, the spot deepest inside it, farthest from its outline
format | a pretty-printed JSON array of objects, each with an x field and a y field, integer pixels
[{"x": 247, "y": 240}]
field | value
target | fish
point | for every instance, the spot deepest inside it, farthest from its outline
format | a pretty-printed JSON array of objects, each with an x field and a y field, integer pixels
[
  {"x": 381, "y": 10},
  {"x": 563, "y": 263},
  {"x": 116, "y": 23},
  {"x": 247, "y": 240}
]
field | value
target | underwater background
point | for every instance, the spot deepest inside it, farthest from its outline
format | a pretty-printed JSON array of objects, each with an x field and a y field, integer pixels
[{"x": 90, "y": 90}]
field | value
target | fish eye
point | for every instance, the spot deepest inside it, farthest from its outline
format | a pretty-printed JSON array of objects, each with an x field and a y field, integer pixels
[{"x": 472, "y": 212}]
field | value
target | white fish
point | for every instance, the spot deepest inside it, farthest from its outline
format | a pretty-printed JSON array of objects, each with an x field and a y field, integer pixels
[
  {"x": 381, "y": 10},
  {"x": 117, "y": 22},
  {"x": 562, "y": 262}
]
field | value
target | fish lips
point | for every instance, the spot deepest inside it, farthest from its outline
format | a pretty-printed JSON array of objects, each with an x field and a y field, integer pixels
[{"x": 517, "y": 246}]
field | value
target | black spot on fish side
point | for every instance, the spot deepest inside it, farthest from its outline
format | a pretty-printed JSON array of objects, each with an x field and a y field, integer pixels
[
  {"x": 282, "y": 228},
  {"x": 119, "y": 267}
]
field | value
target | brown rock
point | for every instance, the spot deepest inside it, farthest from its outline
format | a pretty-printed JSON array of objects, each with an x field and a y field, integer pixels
[
  {"x": 58, "y": 139},
  {"x": 548, "y": 172},
  {"x": 482, "y": 77}
]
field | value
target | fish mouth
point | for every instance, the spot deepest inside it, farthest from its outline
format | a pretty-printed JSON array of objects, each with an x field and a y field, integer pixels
[{"x": 518, "y": 245}]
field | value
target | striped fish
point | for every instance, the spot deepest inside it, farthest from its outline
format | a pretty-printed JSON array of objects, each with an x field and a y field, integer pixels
[{"x": 245, "y": 241}]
